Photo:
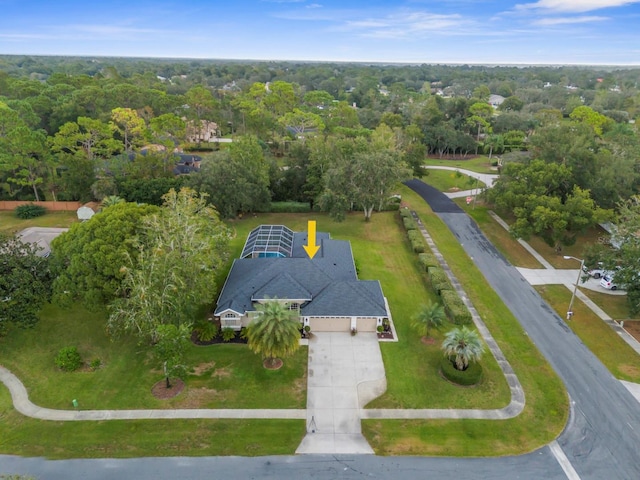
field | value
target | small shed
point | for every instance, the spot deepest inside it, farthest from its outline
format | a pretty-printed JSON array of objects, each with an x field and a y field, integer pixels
[{"x": 88, "y": 210}]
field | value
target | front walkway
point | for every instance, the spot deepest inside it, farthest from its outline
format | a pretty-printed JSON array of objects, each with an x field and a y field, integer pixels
[{"x": 345, "y": 373}]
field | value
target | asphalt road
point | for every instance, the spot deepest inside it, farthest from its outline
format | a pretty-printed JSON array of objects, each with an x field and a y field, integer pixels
[
  {"x": 603, "y": 436},
  {"x": 533, "y": 466},
  {"x": 601, "y": 440}
]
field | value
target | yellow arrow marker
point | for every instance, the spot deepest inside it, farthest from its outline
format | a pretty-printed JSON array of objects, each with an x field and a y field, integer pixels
[{"x": 311, "y": 248}]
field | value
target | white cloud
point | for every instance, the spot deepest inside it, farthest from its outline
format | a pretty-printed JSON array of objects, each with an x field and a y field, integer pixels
[
  {"x": 406, "y": 24},
  {"x": 108, "y": 30},
  {"x": 546, "y": 22},
  {"x": 574, "y": 6},
  {"x": 314, "y": 5}
]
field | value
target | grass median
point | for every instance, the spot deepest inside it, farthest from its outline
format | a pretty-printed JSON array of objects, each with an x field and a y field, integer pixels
[{"x": 546, "y": 410}]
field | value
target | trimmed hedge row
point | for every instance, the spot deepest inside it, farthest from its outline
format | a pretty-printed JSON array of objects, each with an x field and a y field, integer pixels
[
  {"x": 455, "y": 309},
  {"x": 405, "y": 213},
  {"x": 471, "y": 376},
  {"x": 439, "y": 280},
  {"x": 428, "y": 260},
  {"x": 409, "y": 224}
]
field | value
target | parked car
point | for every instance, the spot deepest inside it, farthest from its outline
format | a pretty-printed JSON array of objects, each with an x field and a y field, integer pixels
[
  {"x": 596, "y": 272},
  {"x": 608, "y": 281}
]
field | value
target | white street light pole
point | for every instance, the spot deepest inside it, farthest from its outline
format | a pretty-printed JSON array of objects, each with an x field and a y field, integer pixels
[{"x": 575, "y": 287}]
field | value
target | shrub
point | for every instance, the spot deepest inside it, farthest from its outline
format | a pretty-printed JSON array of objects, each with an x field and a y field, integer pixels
[
  {"x": 409, "y": 223},
  {"x": 206, "y": 330},
  {"x": 392, "y": 203},
  {"x": 95, "y": 364},
  {"x": 290, "y": 207},
  {"x": 417, "y": 246},
  {"x": 455, "y": 309},
  {"x": 414, "y": 235},
  {"x": 68, "y": 359},
  {"x": 228, "y": 334},
  {"x": 438, "y": 279},
  {"x": 428, "y": 260},
  {"x": 405, "y": 213},
  {"x": 471, "y": 376},
  {"x": 30, "y": 210},
  {"x": 380, "y": 328}
]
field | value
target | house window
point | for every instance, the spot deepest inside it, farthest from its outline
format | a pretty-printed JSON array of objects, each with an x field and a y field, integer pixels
[
  {"x": 230, "y": 320},
  {"x": 294, "y": 306}
]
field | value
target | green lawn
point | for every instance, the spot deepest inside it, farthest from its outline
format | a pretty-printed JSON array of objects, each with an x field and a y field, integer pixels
[
  {"x": 139, "y": 438},
  {"x": 10, "y": 224},
  {"x": 230, "y": 376},
  {"x": 224, "y": 376},
  {"x": 621, "y": 360},
  {"x": 480, "y": 164},
  {"x": 448, "y": 181},
  {"x": 506, "y": 244},
  {"x": 616, "y": 306},
  {"x": 546, "y": 410}
]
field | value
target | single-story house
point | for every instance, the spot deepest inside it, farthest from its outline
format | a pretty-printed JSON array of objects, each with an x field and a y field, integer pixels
[{"x": 324, "y": 290}]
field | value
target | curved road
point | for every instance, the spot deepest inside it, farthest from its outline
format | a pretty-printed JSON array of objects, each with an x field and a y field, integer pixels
[
  {"x": 600, "y": 441},
  {"x": 603, "y": 435}
]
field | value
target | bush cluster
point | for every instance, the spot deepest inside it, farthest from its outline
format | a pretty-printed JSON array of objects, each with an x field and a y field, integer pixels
[
  {"x": 228, "y": 334},
  {"x": 438, "y": 279},
  {"x": 471, "y": 376},
  {"x": 290, "y": 207},
  {"x": 30, "y": 210},
  {"x": 455, "y": 309},
  {"x": 417, "y": 242},
  {"x": 428, "y": 260},
  {"x": 409, "y": 223},
  {"x": 405, "y": 213},
  {"x": 68, "y": 359}
]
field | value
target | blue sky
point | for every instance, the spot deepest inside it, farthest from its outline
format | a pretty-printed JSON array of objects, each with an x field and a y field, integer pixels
[{"x": 444, "y": 31}]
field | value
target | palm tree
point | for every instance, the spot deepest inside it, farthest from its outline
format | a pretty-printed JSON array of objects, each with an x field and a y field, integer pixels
[
  {"x": 274, "y": 332},
  {"x": 431, "y": 315},
  {"x": 111, "y": 200},
  {"x": 465, "y": 344}
]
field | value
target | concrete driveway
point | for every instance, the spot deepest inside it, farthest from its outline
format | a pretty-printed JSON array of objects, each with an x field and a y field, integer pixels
[{"x": 345, "y": 373}]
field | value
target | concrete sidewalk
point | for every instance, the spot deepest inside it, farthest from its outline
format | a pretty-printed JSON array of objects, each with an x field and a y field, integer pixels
[{"x": 23, "y": 405}]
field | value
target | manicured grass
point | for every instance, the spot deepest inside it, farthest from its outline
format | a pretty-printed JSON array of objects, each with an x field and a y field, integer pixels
[
  {"x": 480, "y": 164},
  {"x": 621, "y": 360},
  {"x": 506, "y": 244},
  {"x": 382, "y": 252},
  {"x": 139, "y": 438},
  {"x": 593, "y": 235},
  {"x": 546, "y": 410},
  {"x": 226, "y": 376},
  {"x": 10, "y": 224},
  {"x": 616, "y": 306},
  {"x": 448, "y": 181}
]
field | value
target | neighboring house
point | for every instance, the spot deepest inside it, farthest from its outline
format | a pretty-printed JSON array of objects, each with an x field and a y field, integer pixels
[
  {"x": 187, "y": 164},
  {"x": 205, "y": 131},
  {"x": 496, "y": 100},
  {"x": 325, "y": 290},
  {"x": 88, "y": 210}
]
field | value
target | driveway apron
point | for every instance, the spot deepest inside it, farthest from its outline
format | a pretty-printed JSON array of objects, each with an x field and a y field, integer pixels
[{"x": 345, "y": 373}]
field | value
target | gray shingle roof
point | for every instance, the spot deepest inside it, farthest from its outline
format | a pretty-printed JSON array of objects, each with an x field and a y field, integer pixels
[{"x": 328, "y": 281}]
